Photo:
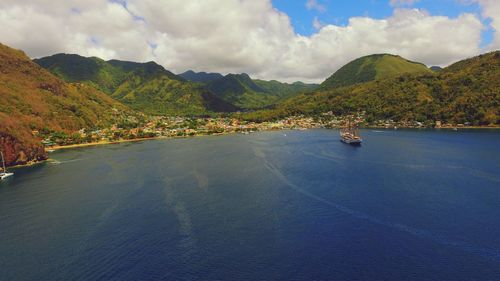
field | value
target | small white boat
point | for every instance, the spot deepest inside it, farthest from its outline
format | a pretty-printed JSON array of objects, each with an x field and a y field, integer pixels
[{"x": 4, "y": 174}]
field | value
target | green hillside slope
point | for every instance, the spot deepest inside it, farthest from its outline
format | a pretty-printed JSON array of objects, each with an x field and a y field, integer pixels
[
  {"x": 143, "y": 86},
  {"x": 157, "y": 94},
  {"x": 75, "y": 68},
  {"x": 32, "y": 99},
  {"x": 467, "y": 91},
  {"x": 370, "y": 68},
  {"x": 245, "y": 92},
  {"x": 284, "y": 90}
]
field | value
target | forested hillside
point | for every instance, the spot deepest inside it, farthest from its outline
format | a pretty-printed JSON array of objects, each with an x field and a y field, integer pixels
[
  {"x": 467, "y": 91},
  {"x": 147, "y": 87},
  {"x": 247, "y": 93},
  {"x": 33, "y": 100},
  {"x": 371, "y": 68}
]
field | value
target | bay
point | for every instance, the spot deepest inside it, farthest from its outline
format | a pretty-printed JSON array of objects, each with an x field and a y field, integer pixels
[{"x": 287, "y": 205}]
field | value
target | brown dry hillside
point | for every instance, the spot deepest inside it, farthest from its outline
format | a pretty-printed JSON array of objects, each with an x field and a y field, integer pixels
[{"x": 32, "y": 99}]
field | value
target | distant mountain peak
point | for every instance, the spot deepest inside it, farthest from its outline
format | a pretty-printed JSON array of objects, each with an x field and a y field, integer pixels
[
  {"x": 201, "y": 77},
  {"x": 436, "y": 68}
]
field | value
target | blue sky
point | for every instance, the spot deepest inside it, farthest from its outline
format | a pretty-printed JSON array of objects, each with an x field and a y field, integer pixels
[{"x": 338, "y": 12}]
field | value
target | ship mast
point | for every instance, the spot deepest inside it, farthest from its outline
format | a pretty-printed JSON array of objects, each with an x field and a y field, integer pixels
[{"x": 3, "y": 162}]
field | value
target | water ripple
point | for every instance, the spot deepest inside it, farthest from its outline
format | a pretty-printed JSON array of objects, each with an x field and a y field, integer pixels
[{"x": 492, "y": 254}]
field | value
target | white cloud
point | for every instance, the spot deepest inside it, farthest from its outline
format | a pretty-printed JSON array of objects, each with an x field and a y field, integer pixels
[
  {"x": 491, "y": 10},
  {"x": 314, "y": 5},
  {"x": 317, "y": 24},
  {"x": 395, "y": 3},
  {"x": 238, "y": 36}
]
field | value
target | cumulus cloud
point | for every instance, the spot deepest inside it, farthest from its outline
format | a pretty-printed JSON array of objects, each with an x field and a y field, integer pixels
[
  {"x": 491, "y": 10},
  {"x": 238, "y": 36},
  {"x": 395, "y": 3},
  {"x": 314, "y": 5}
]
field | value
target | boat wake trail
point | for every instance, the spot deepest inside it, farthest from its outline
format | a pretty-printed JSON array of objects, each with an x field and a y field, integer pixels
[
  {"x": 421, "y": 233},
  {"x": 188, "y": 241},
  {"x": 57, "y": 162},
  {"x": 338, "y": 159}
]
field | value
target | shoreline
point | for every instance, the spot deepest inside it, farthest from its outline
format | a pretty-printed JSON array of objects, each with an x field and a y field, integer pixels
[
  {"x": 29, "y": 164},
  {"x": 61, "y": 147},
  {"x": 434, "y": 128},
  {"x": 71, "y": 146}
]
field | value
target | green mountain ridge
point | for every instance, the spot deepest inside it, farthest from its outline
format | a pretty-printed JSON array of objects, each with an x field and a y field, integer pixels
[
  {"x": 147, "y": 87},
  {"x": 245, "y": 92},
  {"x": 201, "y": 77},
  {"x": 157, "y": 94},
  {"x": 370, "y": 68},
  {"x": 284, "y": 90}
]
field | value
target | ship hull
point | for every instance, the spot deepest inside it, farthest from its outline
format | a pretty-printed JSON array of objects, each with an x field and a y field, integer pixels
[{"x": 351, "y": 141}]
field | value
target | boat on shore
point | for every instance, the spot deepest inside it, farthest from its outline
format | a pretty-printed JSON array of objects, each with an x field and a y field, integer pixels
[
  {"x": 349, "y": 134},
  {"x": 4, "y": 174}
]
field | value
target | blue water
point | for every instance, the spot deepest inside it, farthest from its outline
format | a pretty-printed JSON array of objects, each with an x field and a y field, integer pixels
[{"x": 294, "y": 205}]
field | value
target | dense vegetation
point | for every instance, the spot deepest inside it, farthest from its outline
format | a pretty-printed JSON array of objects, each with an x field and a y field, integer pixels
[
  {"x": 33, "y": 100},
  {"x": 75, "y": 68},
  {"x": 284, "y": 90},
  {"x": 154, "y": 90},
  {"x": 147, "y": 87},
  {"x": 241, "y": 90},
  {"x": 371, "y": 68},
  {"x": 157, "y": 94},
  {"x": 467, "y": 91},
  {"x": 201, "y": 77}
]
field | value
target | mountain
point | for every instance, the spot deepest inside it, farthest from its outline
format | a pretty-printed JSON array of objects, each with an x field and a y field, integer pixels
[
  {"x": 147, "y": 87},
  {"x": 201, "y": 77},
  {"x": 74, "y": 68},
  {"x": 33, "y": 100},
  {"x": 466, "y": 91},
  {"x": 241, "y": 90},
  {"x": 156, "y": 93},
  {"x": 148, "y": 68},
  {"x": 436, "y": 68},
  {"x": 370, "y": 68},
  {"x": 284, "y": 90}
]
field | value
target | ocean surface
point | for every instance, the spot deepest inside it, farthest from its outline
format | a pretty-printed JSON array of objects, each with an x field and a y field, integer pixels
[{"x": 288, "y": 205}]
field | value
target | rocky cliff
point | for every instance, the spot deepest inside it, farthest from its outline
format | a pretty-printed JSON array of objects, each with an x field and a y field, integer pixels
[
  {"x": 32, "y": 99},
  {"x": 19, "y": 153}
]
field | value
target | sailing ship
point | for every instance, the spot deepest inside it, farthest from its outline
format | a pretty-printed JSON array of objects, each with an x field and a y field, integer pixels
[
  {"x": 350, "y": 134},
  {"x": 4, "y": 174}
]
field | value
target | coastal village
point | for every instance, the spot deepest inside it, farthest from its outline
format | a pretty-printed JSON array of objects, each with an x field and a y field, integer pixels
[
  {"x": 178, "y": 127},
  {"x": 135, "y": 128}
]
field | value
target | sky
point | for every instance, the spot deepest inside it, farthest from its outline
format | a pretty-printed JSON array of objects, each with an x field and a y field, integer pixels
[{"x": 286, "y": 40}]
